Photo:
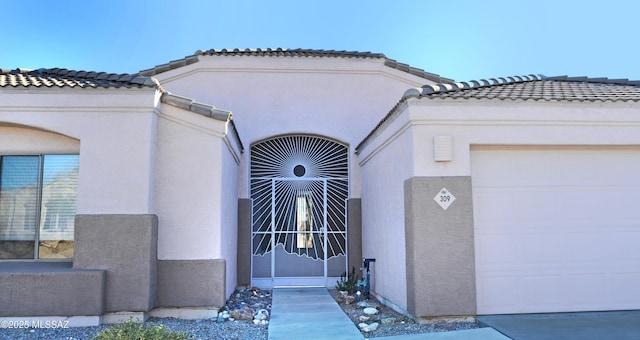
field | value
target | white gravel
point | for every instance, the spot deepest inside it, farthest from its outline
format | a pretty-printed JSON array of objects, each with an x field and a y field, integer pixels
[{"x": 247, "y": 330}]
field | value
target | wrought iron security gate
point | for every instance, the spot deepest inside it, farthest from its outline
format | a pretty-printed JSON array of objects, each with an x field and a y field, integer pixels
[{"x": 299, "y": 187}]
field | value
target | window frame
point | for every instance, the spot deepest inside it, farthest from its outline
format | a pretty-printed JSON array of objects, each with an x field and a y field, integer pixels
[{"x": 38, "y": 202}]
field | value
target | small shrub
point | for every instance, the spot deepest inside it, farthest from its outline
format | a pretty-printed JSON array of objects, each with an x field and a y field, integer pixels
[
  {"x": 131, "y": 330},
  {"x": 348, "y": 283}
]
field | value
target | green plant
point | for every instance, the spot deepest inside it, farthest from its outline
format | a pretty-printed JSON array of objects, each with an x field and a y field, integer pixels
[
  {"x": 348, "y": 283},
  {"x": 131, "y": 330}
]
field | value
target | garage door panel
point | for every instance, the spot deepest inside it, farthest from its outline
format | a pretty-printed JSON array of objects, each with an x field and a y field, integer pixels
[
  {"x": 586, "y": 247},
  {"x": 620, "y": 203},
  {"x": 529, "y": 201},
  {"x": 540, "y": 294},
  {"x": 502, "y": 290},
  {"x": 584, "y": 204},
  {"x": 624, "y": 246},
  {"x": 499, "y": 253},
  {"x": 556, "y": 230},
  {"x": 540, "y": 249},
  {"x": 625, "y": 289},
  {"x": 589, "y": 291},
  {"x": 603, "y": 203},
  {"x": 495, "y": 205}
]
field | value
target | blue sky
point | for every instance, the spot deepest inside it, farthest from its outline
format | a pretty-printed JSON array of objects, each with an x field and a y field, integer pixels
[{"x": 462, "y": 40}]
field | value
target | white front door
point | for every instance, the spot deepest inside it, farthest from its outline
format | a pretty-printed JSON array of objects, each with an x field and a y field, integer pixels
[{"x": 556, "y": 230}]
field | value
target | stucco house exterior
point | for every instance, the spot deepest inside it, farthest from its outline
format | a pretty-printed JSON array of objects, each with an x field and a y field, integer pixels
[{"x": 159, "y": 193}]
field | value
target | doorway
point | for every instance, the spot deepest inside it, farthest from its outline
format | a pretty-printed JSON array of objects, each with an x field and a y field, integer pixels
[{"x": 299, "y": 189}]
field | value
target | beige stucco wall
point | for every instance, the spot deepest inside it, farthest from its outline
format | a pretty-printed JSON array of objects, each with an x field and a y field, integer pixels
[
  {"x": 21, "y": 140},
  {"x": 339, "y": 98},
  {"x": 196, "y": 189},
  {"x": 229, "y": 210},
  {"x": 513, "y": 123},
  {"x": 404, "y": 148},
  {"x": 384, "y": 171},
  {"x": 187, "y": 162},
  {"x": 113, "y": 152},
  {"x": 138, "y": 156}
]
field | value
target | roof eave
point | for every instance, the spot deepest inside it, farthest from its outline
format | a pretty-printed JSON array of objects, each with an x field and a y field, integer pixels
[{"x": 293, "y": 53}]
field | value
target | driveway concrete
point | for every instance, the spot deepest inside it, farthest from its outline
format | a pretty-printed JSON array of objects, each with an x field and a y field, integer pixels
[
  {"x": 486, "y": 333},
  {"x": 564, "y": 326}
]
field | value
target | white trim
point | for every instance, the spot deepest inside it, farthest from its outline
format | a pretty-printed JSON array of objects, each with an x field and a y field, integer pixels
[
  {"x": 120, "y": 317},
  {"x": 292, "y": 282},
  {"x": 262, "y": 282},
  {"x": 185, "y": 313}
]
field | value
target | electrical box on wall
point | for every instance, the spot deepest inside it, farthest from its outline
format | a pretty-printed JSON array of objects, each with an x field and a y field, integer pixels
[{"x": 443, "y": 148}]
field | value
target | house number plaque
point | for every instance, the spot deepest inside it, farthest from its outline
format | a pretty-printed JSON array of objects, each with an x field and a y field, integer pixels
[{"x": 444, "y": 198}]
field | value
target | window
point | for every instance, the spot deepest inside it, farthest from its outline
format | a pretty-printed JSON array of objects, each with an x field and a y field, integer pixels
[
  {"x": 304, "y": 220},
  {"x": 37, "y": 206}
]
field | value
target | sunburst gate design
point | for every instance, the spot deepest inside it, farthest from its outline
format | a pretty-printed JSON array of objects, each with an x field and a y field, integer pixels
[{"x": 299, "y": 187}]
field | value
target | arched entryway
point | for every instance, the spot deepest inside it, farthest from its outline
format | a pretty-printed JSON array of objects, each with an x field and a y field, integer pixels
[{"x": 299, "y": 187}]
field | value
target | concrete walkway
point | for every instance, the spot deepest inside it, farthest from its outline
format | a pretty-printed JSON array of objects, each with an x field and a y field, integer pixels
[
  {"x": 312, "y": 313},
  {"x": 308, "y": 313}
]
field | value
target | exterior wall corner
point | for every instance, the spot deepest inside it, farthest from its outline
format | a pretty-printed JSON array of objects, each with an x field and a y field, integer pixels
[
  {"x": 125, "y": 246},
  {"x": 439, "y": 248}
]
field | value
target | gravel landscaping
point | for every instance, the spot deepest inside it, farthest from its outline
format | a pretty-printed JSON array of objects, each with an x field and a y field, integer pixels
[
  {"x": 243, "y": 318},
  {"x": 388, "y": 321},
  {"x": 226, "y": 327}
]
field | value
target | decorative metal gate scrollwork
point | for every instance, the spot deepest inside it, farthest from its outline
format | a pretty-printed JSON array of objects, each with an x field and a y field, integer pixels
[{"x": 299, "y": 188}]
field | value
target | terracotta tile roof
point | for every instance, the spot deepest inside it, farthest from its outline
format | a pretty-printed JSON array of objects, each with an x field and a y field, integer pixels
[
  {"x": 44, "y": 78},
  {"x": 57, "y": 77},
  {"x": 533, "y": 87},
  {"x": 190, "y": 104},
  {"x": 299, "y": 52},
  {"x": 206, "y": 110}
]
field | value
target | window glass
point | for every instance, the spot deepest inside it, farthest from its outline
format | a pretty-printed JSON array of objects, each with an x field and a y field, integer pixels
[
  {"x": 37, "y": 204},
  {"x": 19, "y": 178},
  {"x": 58, "y": 207}
]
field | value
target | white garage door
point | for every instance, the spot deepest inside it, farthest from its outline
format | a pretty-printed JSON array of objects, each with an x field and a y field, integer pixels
[{"x": 556, "y": 230}]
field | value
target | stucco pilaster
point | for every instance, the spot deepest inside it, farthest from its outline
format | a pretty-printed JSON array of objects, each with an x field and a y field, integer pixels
[{"x": 439, "y": 248}]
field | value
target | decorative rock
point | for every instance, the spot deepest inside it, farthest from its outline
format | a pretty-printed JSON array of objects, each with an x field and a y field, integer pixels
[
  {"x": 242, "y": 314},
  {"x": 363, "y": 304},
  {"x": 223, "y": 316},
  {"x": 370, "y": 311},
  {"x": 387, "y": 321},
  {"x": 363, "y": 318},
  {"x": 368, "y": 328},
  {"x": 349, "y": 299},
  {"x": 262, "y": 314}
]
